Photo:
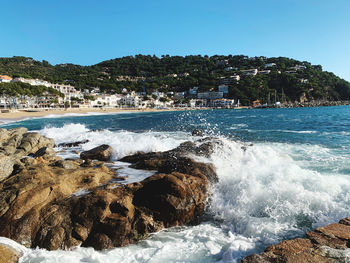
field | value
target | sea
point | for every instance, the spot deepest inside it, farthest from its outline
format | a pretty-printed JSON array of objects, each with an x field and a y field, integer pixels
[{"x": 292, "y": 175}]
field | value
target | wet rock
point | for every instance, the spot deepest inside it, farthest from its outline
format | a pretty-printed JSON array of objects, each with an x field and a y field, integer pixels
[
  {"x": 197, "y": 132},
  {"x": 101, "y": 153},
  {"x": 72, "y": 144},
  {"x": 324, "y": 244},
  {"x": 177, "y": 160}
]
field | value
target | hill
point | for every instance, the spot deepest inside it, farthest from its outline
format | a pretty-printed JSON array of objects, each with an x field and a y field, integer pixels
[{"x": 297, "y": 80}]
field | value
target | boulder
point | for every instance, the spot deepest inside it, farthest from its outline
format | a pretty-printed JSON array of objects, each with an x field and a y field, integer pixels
[
  {"x": 66, "y": 203},
  {"x": 28, "y": 199},
  {"x": 101, "y": 153},
  {"x": 18, "y": 143}
]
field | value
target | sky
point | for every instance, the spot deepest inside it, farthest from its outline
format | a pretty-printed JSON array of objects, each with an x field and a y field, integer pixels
[{"x": 86, "y": 32}]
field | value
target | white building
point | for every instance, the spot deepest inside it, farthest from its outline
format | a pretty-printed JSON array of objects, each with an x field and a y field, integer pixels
[
  {"x": 158, "y": 94},
  {"x": 130, "y": 101},
  {"x": 221, "y": 103},
  {"x": 298, "y": 67},
  {"x": 5, "y": 78},
  {"x": 211, "y": 95},
  {"x": 264, "y": 72},
  {"x": 250, "y": 72},
  {"x": 106, "y": 100},
  {"x": 179, "y": 95},
  {"x": 270, "y": 65}
]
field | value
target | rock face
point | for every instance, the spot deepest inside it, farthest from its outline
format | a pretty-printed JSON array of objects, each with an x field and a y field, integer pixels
[
  {"x": 324, "y": 244},
  {"x": 101, "y": 153},
  {"x": 16, "y": 143},
  {"x": 60, "y": 204}
]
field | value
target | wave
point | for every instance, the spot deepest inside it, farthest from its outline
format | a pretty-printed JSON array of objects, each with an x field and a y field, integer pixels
[{"x": 123, "y": 142}]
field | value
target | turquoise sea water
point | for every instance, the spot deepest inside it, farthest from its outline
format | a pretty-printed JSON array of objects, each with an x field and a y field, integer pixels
[{"x": 294, "y": 178}]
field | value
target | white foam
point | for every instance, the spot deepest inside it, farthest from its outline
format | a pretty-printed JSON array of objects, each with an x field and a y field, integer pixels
[
  {"x": 264, "y": 193},
  {"x": 123, "y": 142}
]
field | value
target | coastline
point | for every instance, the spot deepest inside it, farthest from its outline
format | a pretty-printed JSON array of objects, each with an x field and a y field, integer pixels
[{"x": 17, "y": 115}]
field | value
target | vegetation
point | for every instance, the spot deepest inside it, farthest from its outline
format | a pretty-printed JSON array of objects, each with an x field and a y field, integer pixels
[
  {"x": 176, "y": 73},
  {"x": 25, "y": 89}
]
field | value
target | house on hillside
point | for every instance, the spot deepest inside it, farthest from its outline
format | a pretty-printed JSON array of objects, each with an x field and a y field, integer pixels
[
  {"x": 5, "y": 78},
  {"x": 250, "y": 72}
]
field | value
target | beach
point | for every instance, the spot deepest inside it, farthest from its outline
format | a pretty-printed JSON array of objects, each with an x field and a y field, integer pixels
[{"x": 7, "y": 115}]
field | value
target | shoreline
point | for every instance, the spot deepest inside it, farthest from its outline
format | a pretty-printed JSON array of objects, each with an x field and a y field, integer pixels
[
  {"x": 22, "y": 114},
  {"x": 18, "y": 115}
]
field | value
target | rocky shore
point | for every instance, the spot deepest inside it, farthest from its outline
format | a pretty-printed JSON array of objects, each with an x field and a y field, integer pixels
[
  {"x": 326, "y": 244},
  {"x": 52, "y": 203},
  {"x": 315, "y": 103}
]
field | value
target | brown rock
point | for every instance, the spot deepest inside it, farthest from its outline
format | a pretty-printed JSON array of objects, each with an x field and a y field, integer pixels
[
  {"x": 316, "y": 247},
  {"x": 6, "y": 166},
  {"x": 101, "y": 153},
  {"x": 178, "y": 160},
  {"x": 17, "y": 143},
  {"x": 8, "y": 255},
  {"x": 62, "y": 204}
]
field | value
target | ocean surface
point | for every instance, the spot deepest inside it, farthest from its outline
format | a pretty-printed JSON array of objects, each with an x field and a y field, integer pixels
[{"x": 294, "y": 176}]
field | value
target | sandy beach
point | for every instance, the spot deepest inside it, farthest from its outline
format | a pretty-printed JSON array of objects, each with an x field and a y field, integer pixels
[{"x": 12, "y": 115}]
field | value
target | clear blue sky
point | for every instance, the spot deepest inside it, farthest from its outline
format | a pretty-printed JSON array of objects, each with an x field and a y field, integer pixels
[{"x": 88, "y": 31}]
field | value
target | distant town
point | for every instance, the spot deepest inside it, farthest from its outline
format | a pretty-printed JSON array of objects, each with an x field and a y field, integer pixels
[
  {"x": 70, "y": 97},
  {"x": 94, "y": 98}
]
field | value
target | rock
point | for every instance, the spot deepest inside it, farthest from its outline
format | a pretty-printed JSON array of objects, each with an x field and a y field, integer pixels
[
  {"x": 8, "y": 255},
  {"x": 72, "y": 144},
  {"x": 110, "y": 217},
  {"x": 17, "y": 143},
  {"x": 324, "y": 244},
  {"x": 177, "y": 160},
  {"x": 101, "y": 153},
  {"x": 66, "y": 164},
  {"x": 63, "y": 204},
  {"x": 6, "y": 166},
  {"x": 197, "y": 132},
  {"x": 45, "y": 152},
  {"x": 30, "y": 198}
]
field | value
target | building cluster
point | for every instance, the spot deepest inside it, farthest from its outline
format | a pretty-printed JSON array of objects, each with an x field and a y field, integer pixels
[
  {"x": 95, "y": 98},
  {"x": 193, "y": 97}
]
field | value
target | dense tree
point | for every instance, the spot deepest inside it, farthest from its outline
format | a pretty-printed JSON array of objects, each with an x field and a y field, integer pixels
[{"x": 176, "y": 73}]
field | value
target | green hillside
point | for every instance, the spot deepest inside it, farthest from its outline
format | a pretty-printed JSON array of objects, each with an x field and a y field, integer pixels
[{"x": 157, "y": 73}]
